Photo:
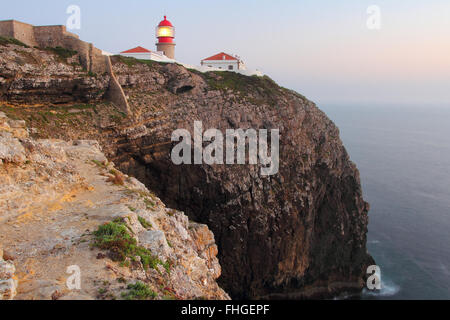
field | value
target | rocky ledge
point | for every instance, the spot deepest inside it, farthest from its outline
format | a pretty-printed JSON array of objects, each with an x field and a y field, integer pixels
[{"x": 64, "y": 207}]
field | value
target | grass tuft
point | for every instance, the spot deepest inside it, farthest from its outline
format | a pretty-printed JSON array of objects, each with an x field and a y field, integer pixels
[
  {"x": 6, "y": 40},
  {"x": 138, "y": 291},
  {"x": 144, "y": 223},
  {"x": 61, "y": 52},
  {"x": 117, "y": 178},
  {"x": 149, "y": 203},
  {"x": 115, "y": 237},
  {"x": 263, "y": 89}
]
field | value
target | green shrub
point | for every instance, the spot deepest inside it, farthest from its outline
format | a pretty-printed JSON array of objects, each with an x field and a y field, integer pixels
[
  {"x": 127, "y": 60},
  {"x": 149, "y": 203},
  {"x": 115, "y": 237},
  {"x": 98, "y": 163},
  {"x": 144, "y": 223},
  {"x": 264, "y": 89},
  {"x": 102, "y": 290},
  {"x": 5, "y": 41},
  {"x": 117, "y": 178},
  {"x": 138, "y": 291},
  {"x": 62, "y": 52}
]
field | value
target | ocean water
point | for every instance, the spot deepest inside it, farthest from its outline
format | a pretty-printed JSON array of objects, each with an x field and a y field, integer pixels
[{"x": 403, "y": 154}]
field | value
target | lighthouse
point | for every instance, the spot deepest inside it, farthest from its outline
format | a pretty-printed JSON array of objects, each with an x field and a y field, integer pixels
[{"x": 165, "y": 32}]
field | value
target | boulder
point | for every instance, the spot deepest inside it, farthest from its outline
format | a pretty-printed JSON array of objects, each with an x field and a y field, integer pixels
[
  {"x": 156, "y": 242},
  {"x": 17, "y": 124},
  {"x": 11, "y": 150},
  {"x": 8, "y": 289},
  {"x": 7, "y": 270}
]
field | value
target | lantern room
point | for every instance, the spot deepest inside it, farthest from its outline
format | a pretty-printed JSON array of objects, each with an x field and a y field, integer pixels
[{"x": 165, "y": 32}]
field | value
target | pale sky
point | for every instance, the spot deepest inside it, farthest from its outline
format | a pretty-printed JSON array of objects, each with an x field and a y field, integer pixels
[{"x": 320, "y": 48}]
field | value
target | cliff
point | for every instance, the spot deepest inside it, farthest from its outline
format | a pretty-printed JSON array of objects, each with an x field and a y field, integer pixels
[{"x": 298, "y": 234}]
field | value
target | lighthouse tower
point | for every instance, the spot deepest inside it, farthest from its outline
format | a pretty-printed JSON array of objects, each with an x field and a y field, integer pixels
[{"x": 165, "y": 32}]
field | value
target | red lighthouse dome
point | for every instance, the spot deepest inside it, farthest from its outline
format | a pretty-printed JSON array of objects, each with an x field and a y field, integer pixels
[{"x": 165, "y": 23}]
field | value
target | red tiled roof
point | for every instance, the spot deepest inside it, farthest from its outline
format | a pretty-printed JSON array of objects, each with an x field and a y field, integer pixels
[
  {"x": 137, "y": 50},
  {"x": 220, "y": 56}
]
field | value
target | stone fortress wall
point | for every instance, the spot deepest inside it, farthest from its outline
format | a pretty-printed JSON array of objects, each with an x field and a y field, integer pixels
[
  {"x": 91, "y": 58},
  {"x": 21, "y": 31}
]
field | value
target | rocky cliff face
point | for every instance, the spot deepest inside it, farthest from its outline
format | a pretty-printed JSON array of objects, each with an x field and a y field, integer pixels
[{"x": 300, "y": 233}]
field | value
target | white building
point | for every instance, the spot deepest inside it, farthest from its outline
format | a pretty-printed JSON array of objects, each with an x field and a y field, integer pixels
[
  {"x": 145, "y": 54},
  {"x": 224, "y": 61}
]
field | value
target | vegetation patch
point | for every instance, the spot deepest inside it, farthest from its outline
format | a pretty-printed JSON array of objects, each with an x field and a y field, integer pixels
[
  {"x": 78, "y": 121},
  {"x": 117, "y": 178},
  {"x": 115, "y": 237},
  {"x": 53, "y": 120},
  {"x": 129, "y": 61},
  {"x": 5, "y": 41},
  {"x": 262, "y": 89},
  {"x": 102, "y": 290},
  {"x": 149, "y": 203},
  {"x": 62, "y": 53},
  {"x": 149, "y": 198},
  {"x": 169, "y": 294},
  {"x": 144, "y": 223},
  {"x": 98, "y": 163},
  {"x": 295, "y": 93},
  {"x": 139, "y": 291},
  {"x": 170, "y": 212}
]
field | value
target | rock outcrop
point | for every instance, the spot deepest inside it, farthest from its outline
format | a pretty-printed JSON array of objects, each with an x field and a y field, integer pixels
[
  {"x": 8, "y": 282},
  {"x": 298, "y": 234},
  {"x": 55, "y": 194},
  {"x": 37, "y": 76}
]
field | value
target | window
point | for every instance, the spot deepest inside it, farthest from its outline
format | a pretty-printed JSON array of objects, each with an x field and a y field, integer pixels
[
  {"x": 162, "y": 32},
  {"x": 230, "y": 68}
]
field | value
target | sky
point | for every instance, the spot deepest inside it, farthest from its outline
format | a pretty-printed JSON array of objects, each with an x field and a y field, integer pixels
[{"x": 321, "y": 48}]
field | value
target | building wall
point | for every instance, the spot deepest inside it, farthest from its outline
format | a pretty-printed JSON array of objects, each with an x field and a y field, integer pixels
[
  {"x": 23, "y": 32},
  {"x": 140, "y": 56},
  {"x": 222, "y": 64},
  {"x": 49, "y": 36},
  {"x": 155, "y": 56},
  {"x": 97, "y": 59},
  {"x": 6, "y": 29}
]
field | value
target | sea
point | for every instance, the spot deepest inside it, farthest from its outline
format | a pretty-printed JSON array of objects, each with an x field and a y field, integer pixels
[{"x": 403, "y": 155}]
